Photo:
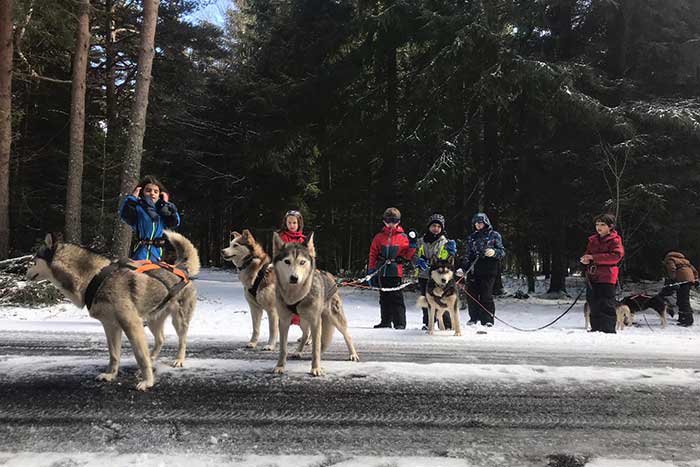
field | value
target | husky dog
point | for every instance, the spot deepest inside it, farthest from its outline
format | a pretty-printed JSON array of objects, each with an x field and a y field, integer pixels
[
  {"x": 310, "y": 293},
  {"x": 626, "y": 309},
  {"x": 441, "y": 295},
  {"x": 259, "y": 281},
  {"x": 120, "y": 298}
]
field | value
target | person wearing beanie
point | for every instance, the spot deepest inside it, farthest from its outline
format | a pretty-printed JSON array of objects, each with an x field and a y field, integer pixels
[
  {"x": 433, "y": 244},
  {"x": 389, "y": 249},
  {"x": 484, "y": 253},
  {"x": 603, "y": 253},
  {"x": 679, "y": 270}
]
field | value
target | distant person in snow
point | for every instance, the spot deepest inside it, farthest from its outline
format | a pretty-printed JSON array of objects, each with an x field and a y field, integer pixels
[
  {"x": 681, "y": 272},
  {"x": 390, "y": 248},
  {"x": 484, "y": 253},
  {"x": 603, "y": 254},
  {"x": 433, "y": 245},
  {"x": 292, "y": 232},
  {"x": 148, "y": 211}
]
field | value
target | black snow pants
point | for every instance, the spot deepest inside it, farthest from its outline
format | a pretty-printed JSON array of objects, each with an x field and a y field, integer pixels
[
  {"x": 481, "y": 288},
  {"x": 602, "y": 302},
  {"x": 391, "y": 304}
]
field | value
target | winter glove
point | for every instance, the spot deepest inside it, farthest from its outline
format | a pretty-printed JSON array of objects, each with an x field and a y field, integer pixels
[
  {"x": 368, "y": 277},
  {"x": 422, "y": 264},
  {"x": 412, "y": 239},
  {"x": 489, "y": 252},
  {"x": 459, "y": 272},
  {"x": 166, "y": 209},
  {"x": 451, "y": 248}
]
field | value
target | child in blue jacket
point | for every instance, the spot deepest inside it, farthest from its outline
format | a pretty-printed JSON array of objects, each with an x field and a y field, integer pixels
[{"x": 148, "y": 211}]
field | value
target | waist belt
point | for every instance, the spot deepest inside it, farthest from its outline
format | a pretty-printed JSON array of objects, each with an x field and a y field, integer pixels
[{"x": 159, "y": 242}]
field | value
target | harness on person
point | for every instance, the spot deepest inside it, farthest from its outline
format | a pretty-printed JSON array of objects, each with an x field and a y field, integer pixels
[{"x": 143, "y": 267}]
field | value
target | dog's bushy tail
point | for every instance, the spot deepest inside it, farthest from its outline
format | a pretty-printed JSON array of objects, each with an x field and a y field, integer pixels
[{"x": 187, "y": 255}]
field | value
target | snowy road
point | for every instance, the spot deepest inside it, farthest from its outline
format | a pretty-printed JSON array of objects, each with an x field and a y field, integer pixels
[
  {"x": 226, "y": 402},
  {"x": 557, "y": 397}
]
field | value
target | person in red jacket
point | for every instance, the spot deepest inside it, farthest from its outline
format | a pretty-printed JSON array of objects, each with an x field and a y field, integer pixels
[
  {"x": 292, "y": 232},
  {"x": 389, "y": 249},
  {"x": 603, "y": 253}
]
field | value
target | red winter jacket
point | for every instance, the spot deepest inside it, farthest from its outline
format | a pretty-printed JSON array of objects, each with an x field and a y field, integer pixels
[
  {"x": 390, "y": 243},
  {"x": 607, "y": 253},
  {"x": 292, "y": 237}
]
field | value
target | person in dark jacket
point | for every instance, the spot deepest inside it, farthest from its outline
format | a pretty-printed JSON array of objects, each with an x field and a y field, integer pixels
[
  {"x": 149, "y": 211},
  {"x": 679, "y": 269},
  {"x": 603, "y": 254},
  {"x": 433, "y": 245},
  {"x": 389, "y": 249},
  {"x": 484, "y": 253}
]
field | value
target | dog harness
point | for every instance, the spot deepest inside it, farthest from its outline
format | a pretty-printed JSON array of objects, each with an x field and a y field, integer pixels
[
  {"x": 259, "y": 278},
  {"x": 143, "y": 267},
  {"x": 448, "y": 290},
  {"x": 329, "y": 289}
]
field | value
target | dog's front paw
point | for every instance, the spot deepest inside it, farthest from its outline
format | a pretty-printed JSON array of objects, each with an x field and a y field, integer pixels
[
  {"x": 251, "y": 344},
  {"x": 317, "y": 372},
  {"x": 108, "y": 377},
  {"x": 354, "y": 358},
  {"x": 269, "y": 347},
  {"x": 295, "y": 355},
  {"x": 179, "y": 363},
  {"x": 458, "y": 333},
  {"x": 430, "y": 332},
  {"x": 279, "y": 370},
  {"x": 144, "y": 385}
]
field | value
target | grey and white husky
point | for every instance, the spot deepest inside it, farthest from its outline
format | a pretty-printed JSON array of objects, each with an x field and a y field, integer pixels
[
  {"x": 253, "y": 267},
  {"x": 121, "y": 298},
  {"x": 441, "y": 295},
  {"x": 313, "y": 295}
]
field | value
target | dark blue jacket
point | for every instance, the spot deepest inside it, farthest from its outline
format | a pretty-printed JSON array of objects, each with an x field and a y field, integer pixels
[
  {"x": 478, "y": 242},
  {"x": 148, "y": 221}
]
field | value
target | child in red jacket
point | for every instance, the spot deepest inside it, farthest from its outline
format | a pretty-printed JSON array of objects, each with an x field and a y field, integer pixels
[
  {"x": 291, "y": 232},
  {"x": 603, "y": 254},
  {"x": 389, "y": 249}
]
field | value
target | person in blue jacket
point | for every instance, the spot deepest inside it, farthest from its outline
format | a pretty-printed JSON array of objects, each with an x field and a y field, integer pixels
[
  {"x": 484, "y": 252},
  {"x": 148, "y": 211}
]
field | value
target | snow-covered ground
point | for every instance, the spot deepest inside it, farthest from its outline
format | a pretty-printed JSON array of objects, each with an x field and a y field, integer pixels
[{"x": 222, "y": 314}]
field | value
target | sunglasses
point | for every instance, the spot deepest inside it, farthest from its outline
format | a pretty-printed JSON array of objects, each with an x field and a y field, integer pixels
[
  {"x": 392, "y": 220},
  {"x": 292, "y": 213}
]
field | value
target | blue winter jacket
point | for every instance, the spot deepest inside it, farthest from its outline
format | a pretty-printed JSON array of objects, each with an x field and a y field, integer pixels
[
  {"x": 478, "y": 242},
  {"x": 148, "y": 221}
]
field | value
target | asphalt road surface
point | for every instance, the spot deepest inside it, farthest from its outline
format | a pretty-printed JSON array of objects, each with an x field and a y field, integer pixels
[{"x": 240, "y": 413}]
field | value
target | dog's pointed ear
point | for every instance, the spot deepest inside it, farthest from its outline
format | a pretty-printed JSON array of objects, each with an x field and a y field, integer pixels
[
  {"x": 310, "y": 245},
  {"x": 451, "y": 260},
  {"x": 52, "y": 239},
  {"x": 234, "y": 235},
  {"x": 247, "y": 236},
  {"x": 277, "y": 244},
  {"x": 433, "y": 260}
]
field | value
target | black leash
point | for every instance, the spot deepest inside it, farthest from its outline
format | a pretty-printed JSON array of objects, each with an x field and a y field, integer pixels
[{"x": 516, "y": 327}]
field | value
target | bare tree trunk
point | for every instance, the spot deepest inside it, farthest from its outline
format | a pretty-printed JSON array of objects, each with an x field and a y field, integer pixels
[
  {"x": 74, "y": 183},
  {"x": 5, "y": 122},
  {"x": 134, "y": 145}
]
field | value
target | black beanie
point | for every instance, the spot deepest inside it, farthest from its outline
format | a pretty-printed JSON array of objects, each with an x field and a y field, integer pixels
[{"x": 437, "y": 219}]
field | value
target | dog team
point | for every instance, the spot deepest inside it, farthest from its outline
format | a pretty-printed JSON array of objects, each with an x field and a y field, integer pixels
[{"x": 125, "y": 294}]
